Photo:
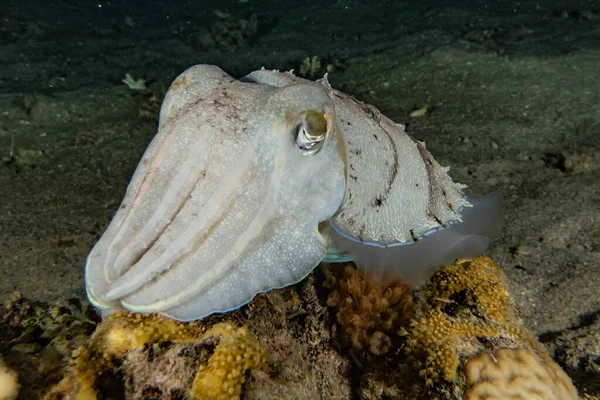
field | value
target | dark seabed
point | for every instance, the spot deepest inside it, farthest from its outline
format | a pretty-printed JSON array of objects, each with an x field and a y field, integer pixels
[{"x": 506, "y": 92}]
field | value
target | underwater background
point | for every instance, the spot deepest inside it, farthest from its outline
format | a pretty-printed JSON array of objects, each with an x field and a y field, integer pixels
[{"x": 505, "y": 92}]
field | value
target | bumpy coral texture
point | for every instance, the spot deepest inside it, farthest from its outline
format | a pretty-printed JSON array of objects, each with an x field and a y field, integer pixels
[
  {"x": 477, "y": 284},
  {"x": 114, "y": 337},
  {"x": 368, "y": 312},
  {"x": 516, "y": 374},
  {"x": 236, "y": 351},
  {"x": 466, "y": 310}
]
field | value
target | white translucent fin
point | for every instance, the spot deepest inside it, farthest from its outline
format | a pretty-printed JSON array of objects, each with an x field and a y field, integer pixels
[{"x": 414, "y": 262}]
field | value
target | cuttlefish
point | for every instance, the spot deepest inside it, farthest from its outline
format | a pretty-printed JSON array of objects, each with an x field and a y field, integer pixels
[{"x": 250, "y": 183}]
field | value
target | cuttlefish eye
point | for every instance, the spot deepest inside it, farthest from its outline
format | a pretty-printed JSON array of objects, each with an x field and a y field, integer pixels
[{"x": 311, "y": 131}]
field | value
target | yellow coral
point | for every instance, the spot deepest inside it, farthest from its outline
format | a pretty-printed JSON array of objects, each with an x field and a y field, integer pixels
[
  {"x": 516, "y": 374},
  {"x": 438, "y": 337},
  {"x": 237, "y": 352},
  {"x": 123, "y": 331},
  {"x": 119, "y": 333},
  {"x": 478, "y": 282},
  {"x": 464, "y": 302}
]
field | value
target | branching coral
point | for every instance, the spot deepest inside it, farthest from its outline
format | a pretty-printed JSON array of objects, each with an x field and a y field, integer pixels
[
  {"x": 516, "y": 374},
  {"x": 368, "y": 312},
  {"x": 310, "y": 67},
  {"x": 463, "y": 315},
  {"x": 122, "y": 334}
]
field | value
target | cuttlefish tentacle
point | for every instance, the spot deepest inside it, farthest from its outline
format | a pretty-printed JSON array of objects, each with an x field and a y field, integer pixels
[
  {"x": 151, "y": 264},
  {"x": 173, "y": 193},
  {"x": 130, "y": 233},
  {"x": 227, "y": 204}
]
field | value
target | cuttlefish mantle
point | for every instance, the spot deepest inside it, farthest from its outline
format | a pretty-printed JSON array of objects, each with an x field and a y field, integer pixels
[{"x": 250, "y": 183}]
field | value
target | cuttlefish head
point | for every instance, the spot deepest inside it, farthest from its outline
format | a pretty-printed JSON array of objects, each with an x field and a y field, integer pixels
[{"x": 226, "y": 201}]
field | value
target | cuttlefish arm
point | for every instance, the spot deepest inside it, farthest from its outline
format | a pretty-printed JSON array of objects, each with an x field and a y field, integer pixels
[{"x": 225, "y": 203}]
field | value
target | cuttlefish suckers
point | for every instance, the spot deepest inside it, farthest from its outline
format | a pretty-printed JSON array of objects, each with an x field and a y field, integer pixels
[{"x": 250, "y": 183}]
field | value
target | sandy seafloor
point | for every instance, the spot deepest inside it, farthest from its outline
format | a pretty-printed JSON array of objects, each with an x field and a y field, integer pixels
[{"x": 513, "y": 90}]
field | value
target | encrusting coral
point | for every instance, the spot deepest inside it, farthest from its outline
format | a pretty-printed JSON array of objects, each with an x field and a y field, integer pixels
[
  {"x": 516, "y": 374},
  {"x": 465, "y": 315},
  {"x": 237, "y": 352},
  {"x": 37, "y": 341},
  {"x": 461, "y": 332},
  {"x": 463, "y": 303},
  {"x": 368, "y": 312},
  {"x": 120, "y": 335},
  {"x": 477, "y": 284}
]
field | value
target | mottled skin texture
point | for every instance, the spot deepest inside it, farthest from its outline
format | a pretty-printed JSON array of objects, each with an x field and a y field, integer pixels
[
  {"x": 234, "y": 195},
  {"x": 387, "y": 171}
]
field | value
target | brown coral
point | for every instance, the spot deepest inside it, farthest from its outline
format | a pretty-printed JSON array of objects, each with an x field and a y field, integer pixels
[
  {"x": 516, "y": 374},
  {"x": 367, "y": 311}
]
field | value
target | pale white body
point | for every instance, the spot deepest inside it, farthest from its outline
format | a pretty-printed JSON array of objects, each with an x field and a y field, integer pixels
[{"x": 224, "y": 204}]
